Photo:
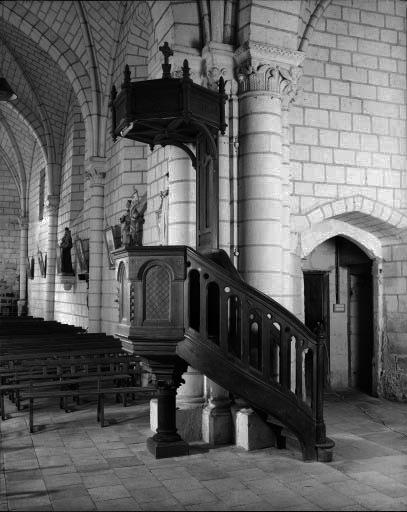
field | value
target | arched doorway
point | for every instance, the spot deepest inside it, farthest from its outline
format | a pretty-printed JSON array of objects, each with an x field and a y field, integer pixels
[{"x": 338, "y": 292}]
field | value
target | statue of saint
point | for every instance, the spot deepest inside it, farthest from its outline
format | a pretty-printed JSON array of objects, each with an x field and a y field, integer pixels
[
  {"x": 125, "y": 222},
  {"x": 65, "y": 248},
  {"x": 132, "y": 221}
]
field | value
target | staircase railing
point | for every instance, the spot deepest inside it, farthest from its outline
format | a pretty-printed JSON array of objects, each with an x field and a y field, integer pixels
[{"x": 256, "y": 348}]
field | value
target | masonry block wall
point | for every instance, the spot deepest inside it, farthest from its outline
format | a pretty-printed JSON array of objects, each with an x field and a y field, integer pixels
[
  {"x": 9, "y": 229},
  {"x": 348, "y": 139},
  {"x": 37, "y": 239}
]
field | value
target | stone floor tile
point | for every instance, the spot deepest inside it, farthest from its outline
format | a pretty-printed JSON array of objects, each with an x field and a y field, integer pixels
[
  {"x": 54, "y": 460},
  {"x": 235, "y": 497},
  {"x": 100, "y": 478},
  {"x": 28, "y": 474},
  {"x": 18, "y": 465},
  {"x": 182, "y": 484},
  {"x": 222, "y": 484},
  {"x": 151, "y": 494},
  {"x": 53, "y": 482},
  {"x": 74, "y": 504},
  {"x": 377, "y": 501},
  {"x": 208, "y": 506},
  {"x": 118, "y": 504},
  {"x": 162, "y": 505},
  {"x": 26, "y": 502},
  {"x": 170, "y": 473},
  {"x": 23, "y": 487},
  {"x": 330, "y": 500},
  {"x": 122, "y": 462},
  {"x": 245, "y": 475},
  {"x": 58, "y": 470},
  {"x": 132, "y": 484},
  {"x": 65, "y": 493},
  {"x": 133, "y": 472},
  {"x": 194, "y": 496},
  {"x": 108, "y": 492}
]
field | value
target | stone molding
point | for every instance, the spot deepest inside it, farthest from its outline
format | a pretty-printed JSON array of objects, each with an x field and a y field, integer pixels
[
  {"x": 262, "y": 53},
  {"x": 95, "y": 171},
  {"x": 271, "y": 69}
]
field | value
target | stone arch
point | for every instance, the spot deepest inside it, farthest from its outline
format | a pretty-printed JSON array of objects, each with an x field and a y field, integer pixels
[
  {"x": 312, "y": 23},
  {"x": 360, "y": 211},
  {"x": 58, "y": 50},
  {"x": 322, "y": 231}
]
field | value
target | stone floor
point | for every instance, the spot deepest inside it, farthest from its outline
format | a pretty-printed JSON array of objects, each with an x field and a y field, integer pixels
[{"x": 70, "y": 463}]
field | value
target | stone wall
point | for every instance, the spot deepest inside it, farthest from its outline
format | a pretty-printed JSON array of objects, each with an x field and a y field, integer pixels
[{"x": 9, "y": 229}]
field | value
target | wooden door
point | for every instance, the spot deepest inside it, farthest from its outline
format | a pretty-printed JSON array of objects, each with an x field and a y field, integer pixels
[
  {"x": 360, "y": 329},
  {"x": 207, "y": 197},
  {"x": 316, "y": 302}
]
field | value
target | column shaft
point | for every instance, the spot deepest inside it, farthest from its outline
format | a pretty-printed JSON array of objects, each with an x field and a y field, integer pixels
[
  {"x": 22, "y": 302},
  {"x": 260, "y": 192},
  {"x": 52, "y": 204},
  {"x": 96, "y": 175}
]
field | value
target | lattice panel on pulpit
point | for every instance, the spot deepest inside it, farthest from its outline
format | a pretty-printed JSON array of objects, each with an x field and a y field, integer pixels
[{"x": 157, "y": 294}]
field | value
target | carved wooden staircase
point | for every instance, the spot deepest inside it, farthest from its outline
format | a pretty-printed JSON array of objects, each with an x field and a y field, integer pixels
[
  {"x": 251, "y": 345},
  {"x": 188, "y": 307}
]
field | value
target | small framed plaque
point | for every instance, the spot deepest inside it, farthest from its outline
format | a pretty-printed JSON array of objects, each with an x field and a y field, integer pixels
[{"x": 339, "y": 308}]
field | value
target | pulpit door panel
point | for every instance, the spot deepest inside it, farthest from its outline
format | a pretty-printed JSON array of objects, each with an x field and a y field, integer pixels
[{"x": 207, "y": 212}]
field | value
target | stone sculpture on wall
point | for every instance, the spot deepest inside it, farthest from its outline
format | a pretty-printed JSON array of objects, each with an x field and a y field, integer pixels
[
  {"x": 65, "y": 248},
  {"x": 133, "y": 220},
  {"x": 162, "y": 216}
]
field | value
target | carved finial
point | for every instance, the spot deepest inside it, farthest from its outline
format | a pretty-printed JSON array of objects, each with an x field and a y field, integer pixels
[
  {"x": 113, "y": 93},
  {"x": 126, "y": 81},
  {"x": 186, "y": 70},
  {"x": 221, "y": 85},
  {"x": 167, "y": 52}
]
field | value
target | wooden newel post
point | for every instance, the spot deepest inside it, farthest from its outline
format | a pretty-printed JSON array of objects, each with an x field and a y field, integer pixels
[
  {"x": 319, "y": 410},
  {"x": 323, "y": 445}
]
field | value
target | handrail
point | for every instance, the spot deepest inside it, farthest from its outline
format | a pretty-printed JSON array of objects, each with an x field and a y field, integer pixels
[{"x": 265, "y": 342}]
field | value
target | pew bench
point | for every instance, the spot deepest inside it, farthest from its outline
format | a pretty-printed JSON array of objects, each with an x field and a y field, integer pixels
[{"x": 99, "y": 392}]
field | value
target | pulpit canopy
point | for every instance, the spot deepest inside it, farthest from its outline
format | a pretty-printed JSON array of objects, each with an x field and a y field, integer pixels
[{"x": 167, "y": 110}]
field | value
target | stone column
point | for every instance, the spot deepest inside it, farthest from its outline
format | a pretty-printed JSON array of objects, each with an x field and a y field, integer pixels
[
  {"x": 218, "y": 57},
  {"x": 265, "y": 74},
  {"x": 51, "y": 212},
  {"x": 267, "y": 78},
  {"x": 22, "y": 302},
  {"x": 95, "y": 174}
]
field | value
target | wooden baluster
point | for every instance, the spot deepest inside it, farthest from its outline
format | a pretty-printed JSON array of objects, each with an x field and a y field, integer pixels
[
  {"x": 245, "y": 331},
  {"x": 299, "y": 369},
  {"x": 223, "y": 315},
  {"x": 266, "y": 346},
  {"x": 285, "y": 352},
  {"x": 203, "y": 328}
]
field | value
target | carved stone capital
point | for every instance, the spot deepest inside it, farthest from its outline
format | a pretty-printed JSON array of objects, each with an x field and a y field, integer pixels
[
  {"x": 217, "y": 61},
  {"x": 51, "y": 205},
  {"x": 270, "y": 69},
  {"x": 95, "y": 171}
]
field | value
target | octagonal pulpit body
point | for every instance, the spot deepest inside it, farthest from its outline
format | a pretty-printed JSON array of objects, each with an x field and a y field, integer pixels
[
  {"x": 151, "y": 298},
  {"x": 165, "y": 111}
]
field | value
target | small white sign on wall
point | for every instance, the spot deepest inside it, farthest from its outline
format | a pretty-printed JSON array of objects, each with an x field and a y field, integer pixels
[{"x": 339, "y": 308}]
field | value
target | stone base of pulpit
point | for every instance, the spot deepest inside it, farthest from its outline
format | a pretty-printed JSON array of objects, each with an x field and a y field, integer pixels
[{"x": 163, "y": 449}]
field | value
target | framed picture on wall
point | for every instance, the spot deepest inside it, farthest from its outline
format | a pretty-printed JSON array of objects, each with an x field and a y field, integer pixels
[
  {"x": 81, "y": 256},
  {"x": 110, "y": 244},
  {"x": 41, "y": 264}
]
